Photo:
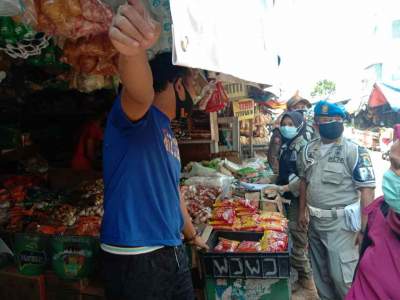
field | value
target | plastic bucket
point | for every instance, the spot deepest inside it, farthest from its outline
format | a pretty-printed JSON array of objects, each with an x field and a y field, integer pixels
[
  {"x": 30, "y": 250},
  {"x": 73, "y": 256}
]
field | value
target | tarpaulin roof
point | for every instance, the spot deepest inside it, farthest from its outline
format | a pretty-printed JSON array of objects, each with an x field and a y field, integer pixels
[{"x": 382, "y": 94}]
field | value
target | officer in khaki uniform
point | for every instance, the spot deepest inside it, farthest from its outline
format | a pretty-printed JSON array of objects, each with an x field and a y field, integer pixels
[{"x": 336, "y": 174}]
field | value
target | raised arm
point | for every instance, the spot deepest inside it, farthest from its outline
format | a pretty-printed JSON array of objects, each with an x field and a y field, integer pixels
[{"x": 132, "y": 33}]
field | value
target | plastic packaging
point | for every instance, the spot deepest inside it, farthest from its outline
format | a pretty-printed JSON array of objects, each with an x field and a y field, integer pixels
[
  {"x": 73, "y": 18},
  {"x": 248, "y": 223},
  {"x": 273, "y": 241},
  {"x": 255, "y": 163},
  {"x": 218, "y": 100},
  {"x": 226, "y": 215},
  {"x": 271, "y": 216},
  {"x": 11, "y": 7},
  {"x": 231, "y": 166},
  {"x": 93, "y": 56},
  {"x": 280, "y": 226},
  {"x": 226, "y": 245},
  {"x": 223, "y": 182},
  {"x": 249, "y": 246},
  {"x": 200, "y": 170},
  {"x": 30, "y": 14}
]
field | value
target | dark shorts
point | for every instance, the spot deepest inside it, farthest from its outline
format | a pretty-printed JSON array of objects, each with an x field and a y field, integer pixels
[{"x": 162, "y": 274}]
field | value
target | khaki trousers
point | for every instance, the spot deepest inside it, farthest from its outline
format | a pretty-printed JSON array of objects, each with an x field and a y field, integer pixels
[{"x": 334, "y": 256}]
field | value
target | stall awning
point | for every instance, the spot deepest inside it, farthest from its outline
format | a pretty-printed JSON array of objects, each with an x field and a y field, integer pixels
[{"x": 382, "y": 94}]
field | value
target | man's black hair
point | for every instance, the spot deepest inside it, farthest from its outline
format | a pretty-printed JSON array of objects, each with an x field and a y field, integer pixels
[{"x": 164, "y": 71}]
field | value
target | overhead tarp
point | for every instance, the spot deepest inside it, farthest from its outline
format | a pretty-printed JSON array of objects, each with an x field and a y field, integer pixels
[
  {"x": 382, "y": 94},
  {"x": 231, "y": 37}
]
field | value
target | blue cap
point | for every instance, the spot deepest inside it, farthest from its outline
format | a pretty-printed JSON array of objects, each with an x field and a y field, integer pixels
[{"x": 327, "y": 109}]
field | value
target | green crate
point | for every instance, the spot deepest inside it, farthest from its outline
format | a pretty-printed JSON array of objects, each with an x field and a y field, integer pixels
[{"x": 247, "y": 289}]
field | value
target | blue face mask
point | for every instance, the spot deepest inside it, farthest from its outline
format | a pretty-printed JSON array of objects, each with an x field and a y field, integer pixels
[
  {"x": 391, "y": 190},
  {"x": 288, "y": 131}
]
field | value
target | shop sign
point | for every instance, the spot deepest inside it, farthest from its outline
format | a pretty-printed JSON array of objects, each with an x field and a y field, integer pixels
[{"x": 244, "y": 109}]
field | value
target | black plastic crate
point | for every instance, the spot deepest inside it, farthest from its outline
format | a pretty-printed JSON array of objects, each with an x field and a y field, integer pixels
[{"x": 243, "y": 265}]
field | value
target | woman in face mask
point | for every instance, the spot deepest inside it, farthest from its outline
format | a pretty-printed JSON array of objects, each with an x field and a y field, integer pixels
[
  {"x": 378, "y": 274},
  {"x": 292, "y": 129}
]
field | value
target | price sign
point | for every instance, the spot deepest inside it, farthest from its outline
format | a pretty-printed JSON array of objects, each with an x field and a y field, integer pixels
[{"x": 244, "y": 109}]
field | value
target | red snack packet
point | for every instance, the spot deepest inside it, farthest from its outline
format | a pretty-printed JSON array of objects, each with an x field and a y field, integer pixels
[
  {"x": 271, "y": 216},
  {"x": 274, "y": 241},
  {"x": 249, "y": 246},
  {"x": 277, "y": 246},
  {"x": 245, "y": 203},
  {"x": 226, "y": 245},
  {"x": 223, "y": 203},
  {"x": 224, "y": 214},
  {"x": 273, "y": 225}
]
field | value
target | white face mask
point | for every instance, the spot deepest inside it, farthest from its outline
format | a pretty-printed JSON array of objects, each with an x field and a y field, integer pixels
[{"x": 288, "y": 132}]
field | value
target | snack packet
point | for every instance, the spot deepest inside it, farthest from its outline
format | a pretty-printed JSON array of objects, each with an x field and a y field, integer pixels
[
  {"x": 224, "y": 214},
  {"x": 249, "y": 246},
  {"x": 226, "y": 245}
]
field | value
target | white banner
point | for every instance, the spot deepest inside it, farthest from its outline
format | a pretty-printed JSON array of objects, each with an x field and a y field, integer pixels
[{"x": 235, "y": 37}]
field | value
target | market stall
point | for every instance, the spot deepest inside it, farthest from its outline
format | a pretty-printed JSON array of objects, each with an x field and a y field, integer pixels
[
  {"x": 57, "y": 65},
  {"x": 249, "y": 243}
]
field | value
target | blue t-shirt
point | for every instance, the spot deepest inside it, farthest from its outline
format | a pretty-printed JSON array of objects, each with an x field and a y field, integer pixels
[{"x": 141, "y": 181}]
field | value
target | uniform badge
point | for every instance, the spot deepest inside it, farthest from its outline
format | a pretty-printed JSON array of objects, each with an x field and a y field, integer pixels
[{"x": 325, "y": 109}]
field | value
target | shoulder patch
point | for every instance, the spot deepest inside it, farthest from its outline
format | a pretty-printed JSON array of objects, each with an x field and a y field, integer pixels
[{"x": 363, "y": 171}]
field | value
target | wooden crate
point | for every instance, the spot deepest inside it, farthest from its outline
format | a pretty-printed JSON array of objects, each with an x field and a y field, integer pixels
[
  {"x": 60, "y": 289},
  {"x": 15, "y": 286}
]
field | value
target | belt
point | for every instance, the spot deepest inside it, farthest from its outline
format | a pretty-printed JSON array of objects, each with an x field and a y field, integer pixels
[{"x": 325, "y": 213}]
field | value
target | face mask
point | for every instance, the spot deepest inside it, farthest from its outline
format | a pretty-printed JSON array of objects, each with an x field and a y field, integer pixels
[
  {"x": 301, "y": 110},
  {"x": 391, "y": 190},
  {"x": 186, "y": 104},
  {"x": 332, "y": 130},
  {"x": 288, "y": 131}
]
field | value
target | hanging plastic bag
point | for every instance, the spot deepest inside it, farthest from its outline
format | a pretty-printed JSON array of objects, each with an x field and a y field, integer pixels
[
  {"x": 11, "y": 7},
  {"x": 73, "y": 18},
  {"x": 29, "y": 17},
  {"x": 95, "y": 55},
  {"x": 217, "y": 100}
]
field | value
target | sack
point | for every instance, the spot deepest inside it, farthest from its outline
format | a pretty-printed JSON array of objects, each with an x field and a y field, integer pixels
[
  {"x": 11, "y": 7},
  {"x": 352, "y": 214}
]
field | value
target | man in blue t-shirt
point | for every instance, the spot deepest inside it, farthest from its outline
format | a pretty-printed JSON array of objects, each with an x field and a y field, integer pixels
[{"x": 144, "y": 217}]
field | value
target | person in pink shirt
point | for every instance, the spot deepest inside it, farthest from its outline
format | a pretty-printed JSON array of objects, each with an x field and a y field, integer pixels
[
  {"x": 396, "y": 133},
  {"x": 378, "y": 274}
]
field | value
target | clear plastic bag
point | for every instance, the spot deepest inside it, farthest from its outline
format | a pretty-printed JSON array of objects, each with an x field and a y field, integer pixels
[
  {"x": 255, "y": 163},
  {"x": 223, "y": 182},
  {"x": 10, "y": 8},
  {"x": 199, "y": 170}
]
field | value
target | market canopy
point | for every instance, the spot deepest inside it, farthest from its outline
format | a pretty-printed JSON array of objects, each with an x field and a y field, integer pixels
[
  {"x": 384, "y": 93},
  {"x": 232, "y": 37}
]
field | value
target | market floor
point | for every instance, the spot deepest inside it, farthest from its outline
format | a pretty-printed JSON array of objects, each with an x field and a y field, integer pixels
[{"x": 301, "y": 294}]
